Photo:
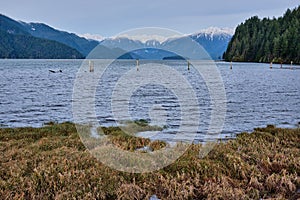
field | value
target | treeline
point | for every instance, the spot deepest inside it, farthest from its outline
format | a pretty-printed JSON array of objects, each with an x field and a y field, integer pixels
[{"x": 267, "y": 40}]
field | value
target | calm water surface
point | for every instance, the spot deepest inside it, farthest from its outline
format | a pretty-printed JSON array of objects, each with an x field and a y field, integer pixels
[{"x": 30, "y": 95}]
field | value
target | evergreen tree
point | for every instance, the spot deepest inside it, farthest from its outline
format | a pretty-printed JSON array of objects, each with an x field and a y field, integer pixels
[{"x": 267, "y": 40}]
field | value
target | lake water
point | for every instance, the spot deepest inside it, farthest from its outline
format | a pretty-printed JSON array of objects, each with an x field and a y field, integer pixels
[{"x": 256, "y": 95}]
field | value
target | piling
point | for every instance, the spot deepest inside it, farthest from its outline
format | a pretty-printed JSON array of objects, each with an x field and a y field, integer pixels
[
  {"x": 230, "y": 64},
  {"x": 137, "y": 64},
  {"x": 91, "y": 65}
]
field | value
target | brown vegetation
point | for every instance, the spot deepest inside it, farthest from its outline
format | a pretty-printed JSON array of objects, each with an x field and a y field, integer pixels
[{"x": 52, "y": 163}]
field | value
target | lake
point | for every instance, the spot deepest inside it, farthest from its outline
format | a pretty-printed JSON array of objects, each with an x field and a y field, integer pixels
[{"x": 256, "y": 95}]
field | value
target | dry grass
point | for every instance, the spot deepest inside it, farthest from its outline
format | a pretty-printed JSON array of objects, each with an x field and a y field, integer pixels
[{"x": 52, "y": 163}]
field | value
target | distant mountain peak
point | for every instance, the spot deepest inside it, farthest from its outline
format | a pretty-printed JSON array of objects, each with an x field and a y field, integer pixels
[
  {"x": 215, "y": 31},
  {"x": 89, "y": 36},
  {"x": 146, "y": 38}
]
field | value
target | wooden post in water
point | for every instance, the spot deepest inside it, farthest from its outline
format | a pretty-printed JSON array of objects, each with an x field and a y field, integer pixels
[
  {"x": 271, "y": 65},
  {"x": 280, "y": 64},
  {"x": 291, "y": 64},
  {"x": 91, "y": 65},
  {"x": 188, "y": 63},
  {"x": 137, "y": 64},
  {"x": 230, "y": 64}
]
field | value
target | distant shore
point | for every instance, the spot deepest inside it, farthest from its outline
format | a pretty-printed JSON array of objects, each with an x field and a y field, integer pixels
[
  {"x": 162, "y": 60},
  {"x": 275, "y": 63},
  {"x": 51, "y": 162}
]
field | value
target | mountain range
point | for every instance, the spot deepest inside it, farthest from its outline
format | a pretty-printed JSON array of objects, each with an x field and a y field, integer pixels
[
  {"x": 37, "y": 40},
  {"x": 213, "y": 40}
]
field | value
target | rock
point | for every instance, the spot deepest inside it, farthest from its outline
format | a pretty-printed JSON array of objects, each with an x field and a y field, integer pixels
[
  {"x": 145, "y": 149},
  {"x": 154, "y": 197}
]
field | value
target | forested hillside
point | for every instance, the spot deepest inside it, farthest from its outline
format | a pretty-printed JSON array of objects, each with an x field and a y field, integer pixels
[
  {"x": 16, "y": 41},
  {"x": 26, "y": 46},
  {"x": 267, "y": 40}
]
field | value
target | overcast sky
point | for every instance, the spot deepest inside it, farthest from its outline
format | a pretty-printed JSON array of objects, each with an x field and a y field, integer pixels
[{"x": 108, "y": 18}]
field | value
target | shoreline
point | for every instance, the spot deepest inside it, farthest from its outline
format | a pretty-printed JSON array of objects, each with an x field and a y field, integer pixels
[
  {"x": 224, "y": 134},
  {"x": 51, "y": 162},
  {"x": 275, "y": 63}
]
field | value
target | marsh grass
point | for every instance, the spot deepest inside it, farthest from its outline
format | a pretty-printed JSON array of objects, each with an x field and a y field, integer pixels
[
  {"x": 52, "y": 163},
  {"x": 124, "y": 137}
]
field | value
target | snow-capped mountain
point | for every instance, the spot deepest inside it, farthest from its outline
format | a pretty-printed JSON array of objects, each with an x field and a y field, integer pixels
[
  {"x": 214, "y": 40},
  {"x": 144, "y": 46},
  {"x": 213, "y": 32},
  {"x": 89, "y": 36}
]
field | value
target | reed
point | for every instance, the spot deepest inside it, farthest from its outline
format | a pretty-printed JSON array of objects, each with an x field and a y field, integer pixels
[{"x": 52, "y": 163}]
